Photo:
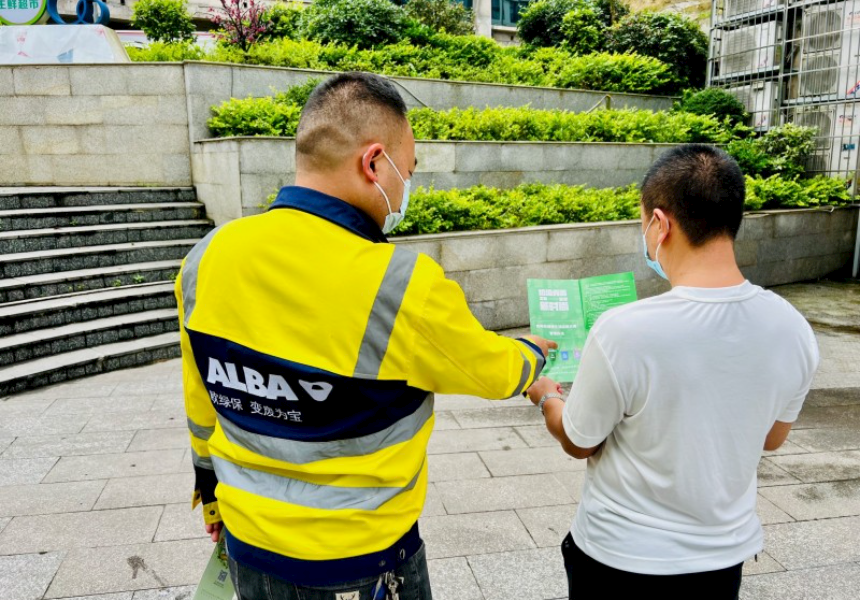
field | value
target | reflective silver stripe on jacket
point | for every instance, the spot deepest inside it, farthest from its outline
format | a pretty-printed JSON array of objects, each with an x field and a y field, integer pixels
[
  {"x": 189, "y": 274},
  {"x": 300, "y": 453},
  {"x": 203, "y": 433},
  {"x": 384, "y": 312},
  {"x": 302, "y": 493}
]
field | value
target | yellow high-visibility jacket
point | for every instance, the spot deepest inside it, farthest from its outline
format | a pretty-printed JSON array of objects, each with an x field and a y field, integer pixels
[{"x": 311, "y": 349}]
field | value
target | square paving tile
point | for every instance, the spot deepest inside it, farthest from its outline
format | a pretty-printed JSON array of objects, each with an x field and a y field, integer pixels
[
  {"x": 548, "y": 525},
  {"x": 74, "y": 444},
  {"x": 91, "y": 571},
  {"x": 818, "y": 500},
  {"x": 537, "y": 436},
  {"x": 808, "y": 544},
  {"x": 572, "y": 482},
  {"x": 502, "y": 493},
  {"x": 769, "y": 513},
  {"x": 454, "y": 467},
  {"x": 48, "y": 498},
  {"x": 99, "y": 406},
  {"x": 839, "y": 582},
  {"x": 457, "y": 441},
  {"x": 17, "y": 425},
  {"x": 179, "y": 522},
  {"x": 159, "y": 439},
  {"x": 827, "y": 440},
  {"x": 467, "y": 535},
  {"x": 24, "y": 471},
  {"x": 26, "y": 577},
  {"x": 530, "y": 461},
  {"x": 445, "y": 421},
  {"x": 524, "y": 575},
  {"x": 433, "y": 506},
  {"x": 821, "y": 466},
  {"x": 764, "y": 564},
  {"x": 46, "y": 533},
  {"x": 147, "y": 491},
  {"x": 771, "y": 474},
  {"x": 104, "y": 466},
  {"x": 152, "y": 419},
  {"x": 452, "y": 579},
  {"x": 495, "y": 417}
]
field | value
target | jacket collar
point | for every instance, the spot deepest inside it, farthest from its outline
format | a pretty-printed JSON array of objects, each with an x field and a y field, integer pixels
[{"x": 331, "y": 209}]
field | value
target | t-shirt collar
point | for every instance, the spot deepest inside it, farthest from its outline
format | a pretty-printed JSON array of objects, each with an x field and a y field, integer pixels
[
  {"x": 331, "y": 209},
  {"x": 732, "y": 293}
]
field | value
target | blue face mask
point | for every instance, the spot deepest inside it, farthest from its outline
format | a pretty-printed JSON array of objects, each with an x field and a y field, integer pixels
[
  {"x": 393, "y": 219},
  {"x": 654, "y": 264}
]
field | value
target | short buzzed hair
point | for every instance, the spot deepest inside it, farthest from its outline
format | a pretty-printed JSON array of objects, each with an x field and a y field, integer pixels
[
  {"x": 702, "y": 187},
  {"x": 345, "y": 111}
]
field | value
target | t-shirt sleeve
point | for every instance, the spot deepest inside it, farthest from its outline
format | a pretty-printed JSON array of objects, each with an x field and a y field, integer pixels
[
  {"x": 596, "y": 404},
  {"x": 810, "y": 365}
]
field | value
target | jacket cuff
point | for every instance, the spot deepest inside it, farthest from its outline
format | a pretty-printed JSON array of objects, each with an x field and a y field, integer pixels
[{"x": 204, "y": 493}]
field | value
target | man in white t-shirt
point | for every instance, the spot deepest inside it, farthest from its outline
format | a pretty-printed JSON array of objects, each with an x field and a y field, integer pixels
[{"x": 676, "y": 397}]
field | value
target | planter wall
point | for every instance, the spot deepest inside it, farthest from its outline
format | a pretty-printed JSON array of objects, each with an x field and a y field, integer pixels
[
  {"x": 235, "y": 175},
  {"x": 773, "y": 248},
  {"x": 132, "y": 125}
]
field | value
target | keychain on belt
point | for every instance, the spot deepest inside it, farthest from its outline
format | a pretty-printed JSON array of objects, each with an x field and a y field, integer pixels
[{"x": 388, "y": 587}]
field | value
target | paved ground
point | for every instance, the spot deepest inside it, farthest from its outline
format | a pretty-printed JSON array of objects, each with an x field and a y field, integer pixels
[{"x": 95, "y": 476}]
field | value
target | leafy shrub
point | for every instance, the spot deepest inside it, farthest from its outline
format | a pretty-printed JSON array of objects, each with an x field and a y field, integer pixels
[
  {"x": 610, "y": 11},
  {"x": 462, "y": 58},
  {"x": 442, "y": 15},
  {"x": 669, "y": 37},
  {"x": 540, "y": 24},
  {"x": 714, "y": 101},
  {"x": 161, "y": 52},
  {"x": 781, "y": 192},
  {"x": 362, "y": 23},
  {"x": 283, "y": 21},
  {"x": 262, "y": 116},
  {"x": 163, "y": 20},
  {"x": 583, "y": 30},
  {"x": 255, "y": 116},
  {"x": 616, "y": 73},
  {"x": 781, "y": 151}
]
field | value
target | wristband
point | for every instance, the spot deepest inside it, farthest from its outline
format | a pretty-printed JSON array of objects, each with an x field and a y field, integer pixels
[{"x": 545, "y": 398}]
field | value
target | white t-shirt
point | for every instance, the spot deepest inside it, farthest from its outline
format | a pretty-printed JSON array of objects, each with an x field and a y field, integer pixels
[{"x": 684, "y": 388}]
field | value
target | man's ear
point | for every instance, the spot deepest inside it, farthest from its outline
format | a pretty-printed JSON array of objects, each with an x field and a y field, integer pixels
[{"x": 368, "y": 161}]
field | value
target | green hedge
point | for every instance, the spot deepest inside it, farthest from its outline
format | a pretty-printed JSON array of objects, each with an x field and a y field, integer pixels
[
  {"x": 484, "y": 208},
  {"x": 279, "y": 115},
  {"x": 443, "y": 56}
]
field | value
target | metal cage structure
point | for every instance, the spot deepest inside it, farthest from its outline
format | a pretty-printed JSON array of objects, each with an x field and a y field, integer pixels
[{"x": 794, "y": 61}]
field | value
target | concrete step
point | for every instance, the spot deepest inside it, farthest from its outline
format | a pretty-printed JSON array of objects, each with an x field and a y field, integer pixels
[
  {"x": 34, "y": 240},
  {"x": 34, "y": 287},
  {"x": 90, "y": 361},
  {"x": 31, "y": 315},
  {"x": 72, "y": 259},
  {"x": 89, "y": 334},
  {"x": 23, "y": 198},
  {"x": 77, "y": 216}
]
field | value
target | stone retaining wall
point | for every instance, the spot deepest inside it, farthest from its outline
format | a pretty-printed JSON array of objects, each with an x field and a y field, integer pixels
[
  {"x": 773, "y": 248},
  {"x": 94, "y": 126},
  {"x": 132, "y": 125},
  {"x": 235, "y": 175}
]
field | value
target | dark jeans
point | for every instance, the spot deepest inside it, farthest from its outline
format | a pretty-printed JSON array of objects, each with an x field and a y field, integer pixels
[
  {"x": 587, "y": 578},
  {"x": 250, "y": 584}
]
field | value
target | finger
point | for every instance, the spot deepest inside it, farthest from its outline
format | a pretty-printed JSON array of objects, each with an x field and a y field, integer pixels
[{"x": 551, "y": 344}]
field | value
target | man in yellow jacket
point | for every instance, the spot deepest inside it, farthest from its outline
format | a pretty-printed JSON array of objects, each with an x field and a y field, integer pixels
[{"x": 311, "y": 351}]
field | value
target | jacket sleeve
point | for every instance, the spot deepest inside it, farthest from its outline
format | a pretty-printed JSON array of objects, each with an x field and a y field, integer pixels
[
  {"x": 454, "y": 354},
  {"x": 201, "y": 421}
]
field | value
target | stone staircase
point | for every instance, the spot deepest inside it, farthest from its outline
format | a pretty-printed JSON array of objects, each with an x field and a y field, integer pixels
[{"x": 86, "y": 279}]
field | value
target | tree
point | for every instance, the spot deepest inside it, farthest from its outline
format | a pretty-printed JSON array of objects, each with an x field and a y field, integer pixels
[
  {"x": 239, "y": 22},
  {"x": 442, "y": 15},
  {"x": 163, "y": 20}
]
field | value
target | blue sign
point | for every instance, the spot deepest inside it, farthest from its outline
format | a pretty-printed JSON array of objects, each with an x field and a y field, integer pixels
[{"x": 85, "y": 13}]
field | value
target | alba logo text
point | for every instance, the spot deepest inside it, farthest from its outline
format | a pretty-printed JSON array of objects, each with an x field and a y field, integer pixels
[{"x": 271, "y": 387}]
